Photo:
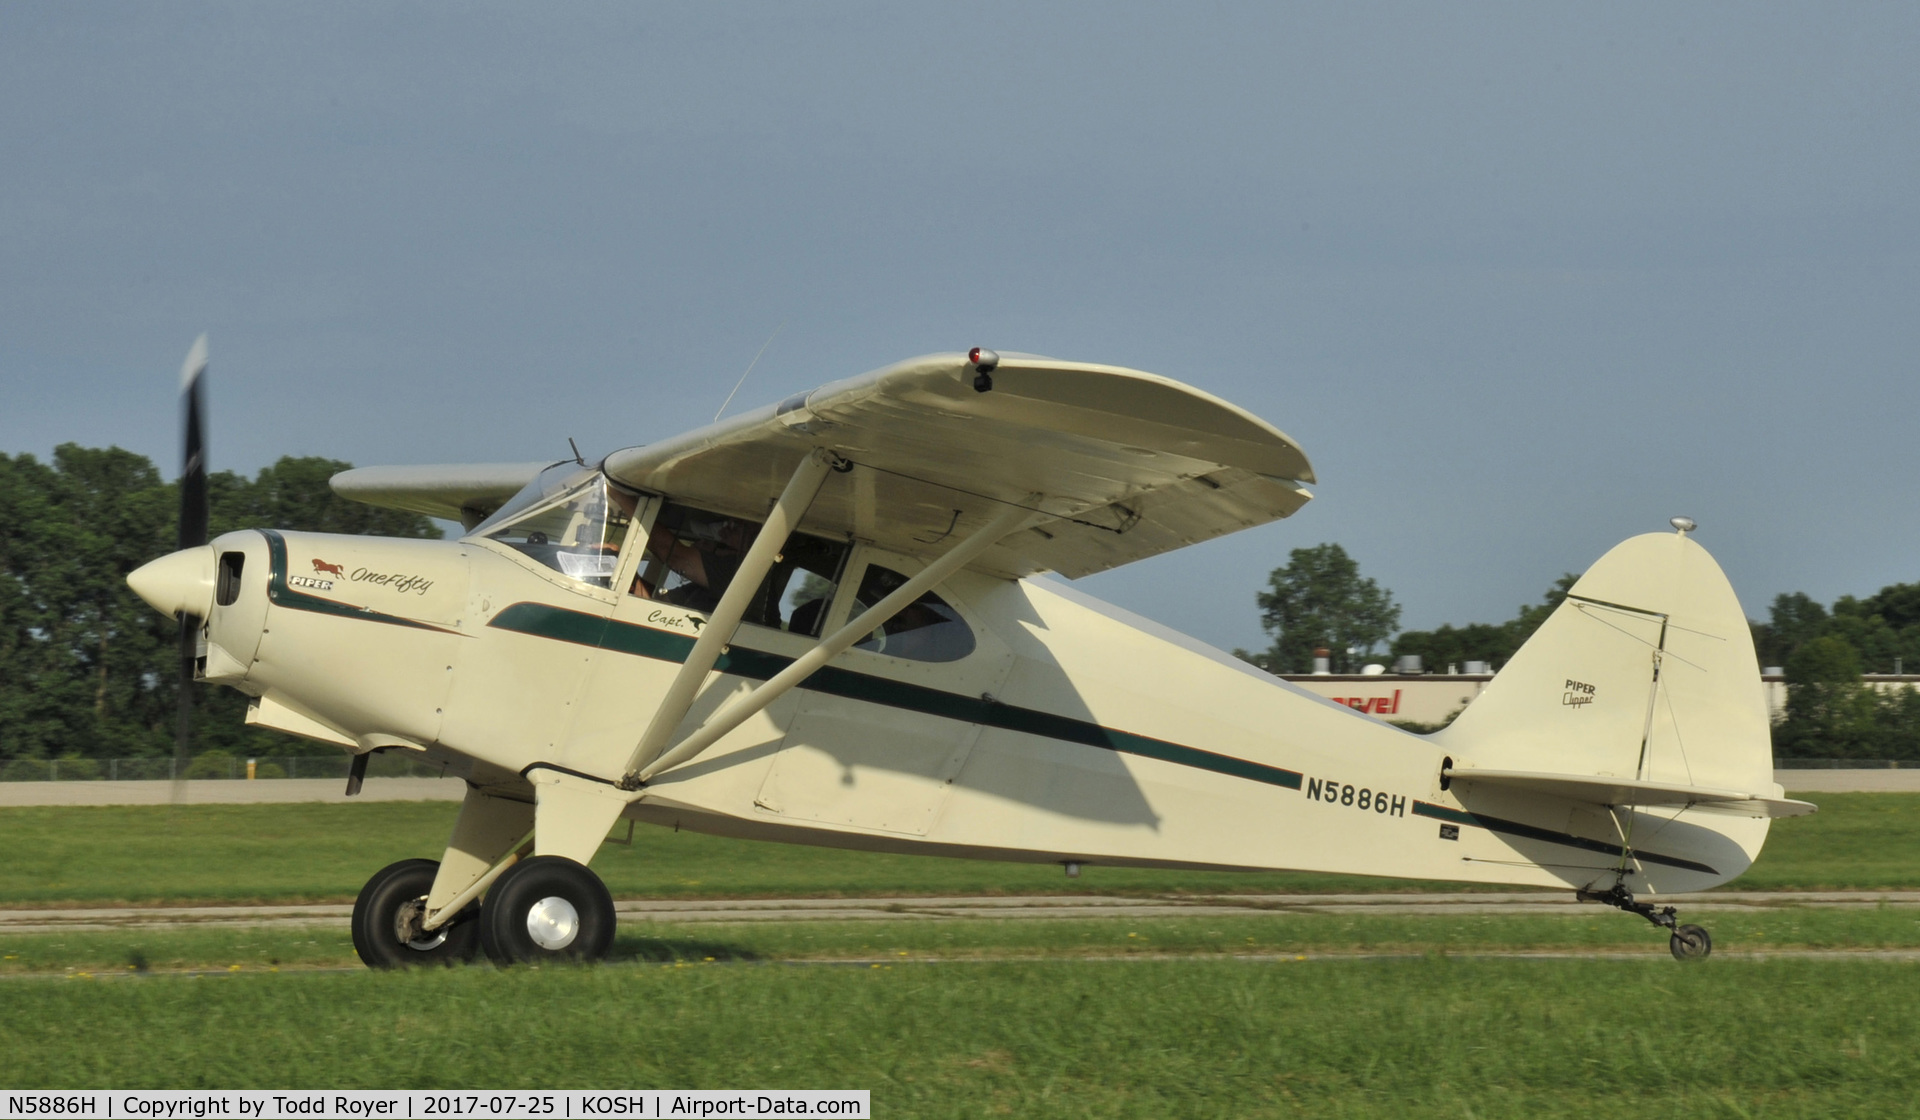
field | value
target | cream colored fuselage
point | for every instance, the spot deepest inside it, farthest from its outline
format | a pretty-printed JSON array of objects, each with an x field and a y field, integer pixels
[{"x": 1069, "y": 735}]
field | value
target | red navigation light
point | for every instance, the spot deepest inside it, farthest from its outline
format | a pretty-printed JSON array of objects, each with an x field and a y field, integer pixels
[{"x": 984, "y": 361}]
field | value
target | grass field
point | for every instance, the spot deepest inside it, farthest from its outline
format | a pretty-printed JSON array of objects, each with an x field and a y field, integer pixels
[
  {"x": 1273, "y": 934},
  {"x": 316, "y": 852},
  {"x": 1419, "y": 1037},
  {"x": 1261, "y": 1014}
]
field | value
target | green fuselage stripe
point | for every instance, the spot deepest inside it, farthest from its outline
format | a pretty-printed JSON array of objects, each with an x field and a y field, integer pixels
[
  {"x": 604, "y": 633},
  {"x": 1530, "y": 832}
]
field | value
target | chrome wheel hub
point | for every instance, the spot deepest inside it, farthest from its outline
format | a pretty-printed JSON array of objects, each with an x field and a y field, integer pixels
[{"x": 553, "y": 923}]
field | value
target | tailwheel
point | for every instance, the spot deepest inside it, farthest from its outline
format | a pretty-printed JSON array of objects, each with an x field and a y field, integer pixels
[
  {"x": 547, "y": 908},
  {"x": 1690, "y": 943},
  {"x": 387, "y": 919}
]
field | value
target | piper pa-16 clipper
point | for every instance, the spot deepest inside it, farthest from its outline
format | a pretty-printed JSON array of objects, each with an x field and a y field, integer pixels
[{"x": 828, "y": 622}]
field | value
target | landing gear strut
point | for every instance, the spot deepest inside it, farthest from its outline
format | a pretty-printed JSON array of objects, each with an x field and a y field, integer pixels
[{"x": 1688, "y": 943}]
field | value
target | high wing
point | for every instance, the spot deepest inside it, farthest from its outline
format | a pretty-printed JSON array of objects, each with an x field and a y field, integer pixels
[
  {"x": 1126, "y": 464},
  {"x": 463, "y": 492}
]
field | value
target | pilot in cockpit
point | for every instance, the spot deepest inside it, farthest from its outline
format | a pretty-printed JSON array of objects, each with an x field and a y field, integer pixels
[{"x": 702, "y": 550}]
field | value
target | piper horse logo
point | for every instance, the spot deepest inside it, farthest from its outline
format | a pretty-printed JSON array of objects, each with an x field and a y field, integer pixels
[{"x": 322, "y": 567}]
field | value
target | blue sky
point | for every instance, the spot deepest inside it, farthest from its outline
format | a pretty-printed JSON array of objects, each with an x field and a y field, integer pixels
[{"x": 1523, "y": 279}]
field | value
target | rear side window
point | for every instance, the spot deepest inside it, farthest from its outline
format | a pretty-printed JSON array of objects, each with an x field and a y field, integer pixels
[{"x": 928, "y": 630}]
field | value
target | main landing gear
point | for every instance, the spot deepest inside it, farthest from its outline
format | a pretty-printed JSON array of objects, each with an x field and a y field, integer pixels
[
  {"x": 1688, "y": 943},
  {"x": 547, "y": 908},
  {"x": 387, "y": 919}
]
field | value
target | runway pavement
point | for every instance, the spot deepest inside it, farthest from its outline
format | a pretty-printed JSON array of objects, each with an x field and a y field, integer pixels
[
  {"x": 282, "y": 790},
  {"x": 265, "y": 791},
  {"x": 1849, "y": 781},
  {"x": 1041, "y": 907}
]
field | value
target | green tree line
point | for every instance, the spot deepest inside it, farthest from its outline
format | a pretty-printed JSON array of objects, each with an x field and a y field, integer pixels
[
  {"x": 1831, "y": 711},
  {"x": 89, "y": 670},
  {"x": 1319, "y": 599}
]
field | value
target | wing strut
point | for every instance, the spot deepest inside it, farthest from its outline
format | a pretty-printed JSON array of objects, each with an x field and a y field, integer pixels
[
  {"x": 725, "y": 620},
  {"x": 1010, "y": 520}
]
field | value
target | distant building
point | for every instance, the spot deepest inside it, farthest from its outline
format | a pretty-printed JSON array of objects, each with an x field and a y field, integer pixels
[
  {"x": 1420, "y": 698},
  {"x": 1434, "y": 697},
  {"x": 1775, "y": 682}
]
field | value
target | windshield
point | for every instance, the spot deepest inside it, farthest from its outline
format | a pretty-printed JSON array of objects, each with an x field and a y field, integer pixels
[
  {"x": 572, "y": 520},
  {"x": 549, "y": 483}
]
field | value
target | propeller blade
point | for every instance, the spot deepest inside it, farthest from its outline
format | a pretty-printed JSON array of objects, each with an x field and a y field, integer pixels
[
  {"x": 194, "y": 516},
  {"x": 193, "y": 465},
  {"x": 183, "y": 731}
]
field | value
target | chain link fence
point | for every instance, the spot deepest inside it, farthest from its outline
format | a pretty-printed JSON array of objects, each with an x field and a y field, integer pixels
[{"x": 213, "y": 765}]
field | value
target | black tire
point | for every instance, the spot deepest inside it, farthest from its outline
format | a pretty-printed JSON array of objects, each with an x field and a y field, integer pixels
[
  {"x": 383, "y": 904},
  {"x": 547, "y": 908},
  {"x": 1690, "y": 943}
]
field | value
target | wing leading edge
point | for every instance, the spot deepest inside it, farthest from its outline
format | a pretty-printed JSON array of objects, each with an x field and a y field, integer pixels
[{"x": 1129, "y": 464}]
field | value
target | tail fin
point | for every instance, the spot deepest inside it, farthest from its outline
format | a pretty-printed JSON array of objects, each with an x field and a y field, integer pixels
[
  {"x": 1646, "y": 674},
  {"x": 1635, "y": 710}
]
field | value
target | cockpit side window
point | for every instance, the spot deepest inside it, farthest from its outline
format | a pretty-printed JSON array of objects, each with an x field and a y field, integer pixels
[
  {"x": 927, "y": 630},
  {"x": 692, "y": 556},
  {"x": 577, "y": 533}
]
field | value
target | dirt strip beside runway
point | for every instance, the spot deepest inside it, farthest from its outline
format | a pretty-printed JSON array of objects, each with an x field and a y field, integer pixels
[{"x": 1055, "y": 907}]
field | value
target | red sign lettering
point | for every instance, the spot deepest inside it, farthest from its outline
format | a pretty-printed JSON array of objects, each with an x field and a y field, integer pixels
[{"x": 1372, "y": 705}]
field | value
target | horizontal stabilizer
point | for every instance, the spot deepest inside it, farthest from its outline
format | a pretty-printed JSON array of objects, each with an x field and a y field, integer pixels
[{"x": 1601, "y": 790}]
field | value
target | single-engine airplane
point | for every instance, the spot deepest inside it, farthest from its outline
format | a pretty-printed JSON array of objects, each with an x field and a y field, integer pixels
[{"x": 830, "y": 621}]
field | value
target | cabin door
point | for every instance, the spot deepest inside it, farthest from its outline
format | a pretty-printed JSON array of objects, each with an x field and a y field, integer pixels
[{"x": 866, "y": 748}]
